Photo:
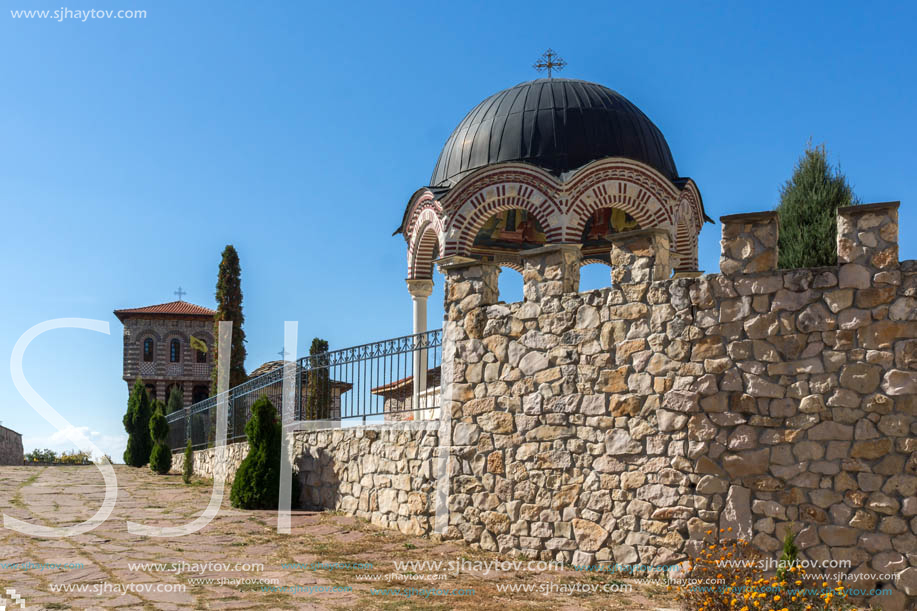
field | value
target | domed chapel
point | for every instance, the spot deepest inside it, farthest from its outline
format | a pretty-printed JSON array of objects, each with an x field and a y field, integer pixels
[{"x": 552, "y": 162}]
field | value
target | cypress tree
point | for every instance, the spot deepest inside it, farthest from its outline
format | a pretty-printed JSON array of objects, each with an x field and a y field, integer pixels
[
  {"x": 161, "y": 455},
  {"x": 229, "y": 307},
  {"x": 175, "y": 403},
  {"x": 188, "y": 465},
  {"x": 807, "y": 211},
  {"x": 257, "y": 482},
  {"x": 318, "y": 383},
  {"x": 137, "y": 424}
]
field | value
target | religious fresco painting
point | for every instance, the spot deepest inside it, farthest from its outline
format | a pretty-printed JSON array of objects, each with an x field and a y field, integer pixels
[
  {"x": 510, "y": 230},
  {"x": 603, "y": 225}
]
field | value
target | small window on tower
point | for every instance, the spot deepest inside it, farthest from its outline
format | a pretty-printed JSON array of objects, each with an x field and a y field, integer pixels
[
  {"x": 148, "y": 350},
  {"x": 174, "y": 351}
]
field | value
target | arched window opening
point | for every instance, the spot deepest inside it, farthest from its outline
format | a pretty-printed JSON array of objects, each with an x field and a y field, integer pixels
[
  {"x": 200, "y": 356},
  {"x": 199, "y": 393},
  {"x": 148, "y": 349},
  {"x": 594, "y": 275},
  {"x": 175, "y": 351},
  {"x": 509, "y": 284}
]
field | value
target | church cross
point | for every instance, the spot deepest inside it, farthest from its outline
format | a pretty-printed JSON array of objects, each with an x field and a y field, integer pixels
[
  {"x": 180, "y": 293},
  {"x": 549, "y": 61},
  {"x": 283, "y": 353}
]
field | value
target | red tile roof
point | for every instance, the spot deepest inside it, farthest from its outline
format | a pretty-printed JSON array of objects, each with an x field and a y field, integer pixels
[{"x": 172, "y": 308}]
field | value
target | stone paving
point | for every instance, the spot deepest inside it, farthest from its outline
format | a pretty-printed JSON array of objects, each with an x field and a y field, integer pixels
[{"x": 59, "y": 496}]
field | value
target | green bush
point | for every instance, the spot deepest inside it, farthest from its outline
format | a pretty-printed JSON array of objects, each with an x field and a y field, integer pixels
[
  {"x": 174, "y": 401},
  {"x": 43, "y": 456},
  {"x": 161, "y": 455},
  {"x": 137, "y": 424},
  {"x": 257, "y": 482},
  {"x": 808, "y": 211},
  {"x": 188, "y": 464}
]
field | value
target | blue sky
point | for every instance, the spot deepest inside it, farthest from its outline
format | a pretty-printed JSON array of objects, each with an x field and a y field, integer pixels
[{"x": 132, "y": 151}]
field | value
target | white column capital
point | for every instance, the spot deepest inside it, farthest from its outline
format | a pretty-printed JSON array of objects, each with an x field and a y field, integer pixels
[{"x": 420, "y": 288}]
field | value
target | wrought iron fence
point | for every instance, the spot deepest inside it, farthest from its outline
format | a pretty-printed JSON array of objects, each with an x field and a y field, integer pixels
[{"x": 372, "y": 382}]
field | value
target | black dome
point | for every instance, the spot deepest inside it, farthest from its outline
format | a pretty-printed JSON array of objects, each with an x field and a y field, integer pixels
[{"x": 557, "y": 124}]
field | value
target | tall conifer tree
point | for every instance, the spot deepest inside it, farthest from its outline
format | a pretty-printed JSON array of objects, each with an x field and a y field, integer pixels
[
  {"x": 161, "y": 454},
  {"x": 808, "y": 211},
  {"x": 175, "y": 403},
  {"x": 137, "y": 424},
  {"x": 318, "y": 382},
  {"x": 229, "y": 307}
]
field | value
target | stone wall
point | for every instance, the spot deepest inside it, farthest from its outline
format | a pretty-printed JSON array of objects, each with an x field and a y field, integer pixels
[
  {"x": 205, "y": 461},
  {"x": 382, "y": 473},
  {"x": 625, "y": 423},
  {"x": 10, "y": 447}
]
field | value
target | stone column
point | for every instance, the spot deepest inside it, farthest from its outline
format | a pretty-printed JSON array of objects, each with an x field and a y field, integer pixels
[
  {"x": 469, "y": 283},
  {"x": 640, "y": 256},
  {"x": 749, "y": 244},
  {"x": 867, "y": 245},
  {"x": 420, "y": 290},
  {"x": 550, "y": 271}
]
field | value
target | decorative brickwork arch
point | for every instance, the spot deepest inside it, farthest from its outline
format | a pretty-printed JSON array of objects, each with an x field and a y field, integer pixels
[
  {"x": 148, "y": 332},
  {"x": 619, "y": 183},
  {"x": 422, "y": 200},
  {"x": 425, "y": 244},
  {"x": 463, "y": 225},
  {"x": 516, "y": 267},
  {"x": 688, "y": 222}
]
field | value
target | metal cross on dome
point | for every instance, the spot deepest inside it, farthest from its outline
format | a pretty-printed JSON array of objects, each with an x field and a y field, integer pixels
[
  {"x": 180, "y": 293},
  {"x": 549, "y": 61}
]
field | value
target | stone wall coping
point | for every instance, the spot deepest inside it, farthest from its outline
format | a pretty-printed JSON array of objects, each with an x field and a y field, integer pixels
[
  {"x": 749, "y": 217},
  {"x": 867, "y": 208},
  {"x": 458, "y": 262},
  {"x": 639, "y": 233},
  {"x": 534, "y": 252}
]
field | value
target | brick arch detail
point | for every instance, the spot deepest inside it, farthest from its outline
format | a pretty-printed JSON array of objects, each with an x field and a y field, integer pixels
[
  {"x": 687, "y": 226},
  {"x": 421, "y": 203},
  {"x": 147, "y": 332},
  {"x": 476, "y": 210},
  {"x": 516, "y": 267},
  {"x": 424, "y": 241},
  {"x": 646, "y": 208}
]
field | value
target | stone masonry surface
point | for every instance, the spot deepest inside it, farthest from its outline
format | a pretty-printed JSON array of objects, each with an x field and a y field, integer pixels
[
  {"x": 382, "y": 473},
  {"x": 623, "y": 424},
  {"x": 10, "y": 447}
]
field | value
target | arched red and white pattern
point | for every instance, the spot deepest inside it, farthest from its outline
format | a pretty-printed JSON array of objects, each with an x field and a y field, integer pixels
[
  {"x": 426, "y": 238},
  {"x": 627, "y": 185},
  {"x": 472, "y": 210},
  {"x": 687, "y": 226},
  {"x": 517, "y": 267},
  {"x": 562, "y": 207},
  {"x": 422, "y": 200}
]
